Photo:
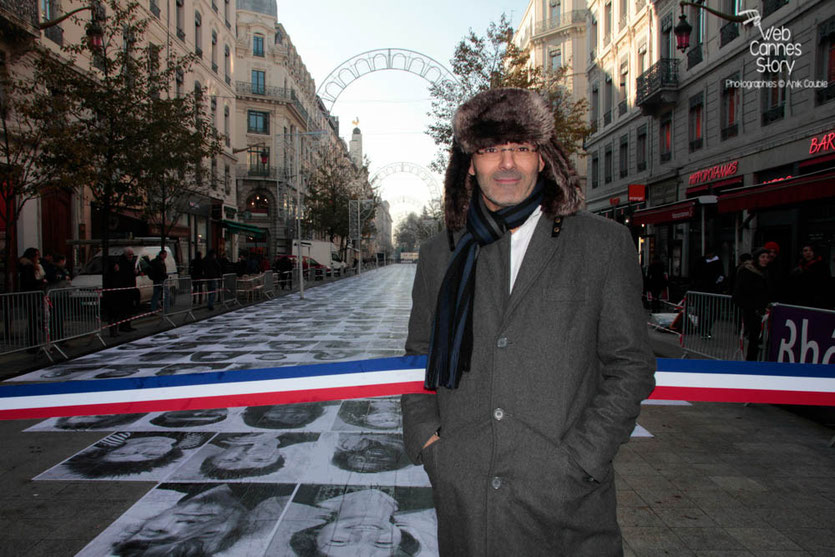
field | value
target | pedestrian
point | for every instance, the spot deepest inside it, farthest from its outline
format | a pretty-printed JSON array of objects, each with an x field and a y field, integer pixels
[
  {"x": 285, "y": 269},
  {"x": 537, "y": 345},
  {"x": 126, "y": 295},
  {"x": 59, "y": 298},
  {"x": 751, "y": 294},
  {"x": 809, "y": 282},
  {"x": 213, "y": 272},
  {"x": 158, "y": 274},
  {"x": 48, "y": 264},
  {"x": 32, "y": 279},
  {"x": 198, "y": 275},
  {"x": 241, "y": 265},
  {"x": 776, "y": 273},
  {"x": 656, "y": 282}
]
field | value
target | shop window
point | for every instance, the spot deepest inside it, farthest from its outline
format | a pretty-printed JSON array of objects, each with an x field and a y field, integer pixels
[
  {"x": 258, "y": 122},
  {"x": 826, "y": 61},
  {"x": 730, "y": 107},
  {"x": 641, "y": 148},
  {"x": 258, "y": 45},
  {"x": 623, "y": 156},
  {"x": 595, "y": 171},
  {"x": 773, "y": 98},
  {"x": 696, "y": 122},
  {"x": 608, "y": 164},
  {"x": 665, "y": 137}
]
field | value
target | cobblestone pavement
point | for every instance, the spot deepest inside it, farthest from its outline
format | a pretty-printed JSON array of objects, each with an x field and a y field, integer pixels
[{"x": 696, "y": 479}]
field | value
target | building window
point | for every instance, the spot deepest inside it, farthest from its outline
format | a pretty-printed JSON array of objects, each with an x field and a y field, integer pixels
[
  {"x": 198, "y": 34},
  {"x": 608, "y": 164},
  {"x": 258, "y": 205},
  {"x": 49, "y": 10},
  {"x": 226, "y": 13},
  {"x": 773, "y": 98},
  {"x": 154, "y": 7},
  {"x": 593, "y": 39},
  {"x": 556, "y": 59},
  {"x": 665, "y": 137},
  {"x": 258, "y": 122},
  {"x": 554, "y": 10},
  {"x": 607, "y": 100},
  {"x": 258, "y": 82},
  {"x": 624, "y": 8},
  {"x": 213, "y": 175},
  {"x": 179, "y": 80},
  {"x": 254, "y": 157},
  {"x": 771, "y": 6},
  {"x": 227, "y": 179},
  {"x": 641, "y": 148},
  {"x": 595, "y": 171},
  {"x": 696, "y": 121},
  {"x": 214, "y": 51},
  {"x": 607, "y": 23},
  {"x": 227, "y": 64},
  {"x": 730, "y": 107},
  {"x": 226, "y": 125},
  {"x": 258, "y": 45},
  {"x": 213, "y": 108},
  {"x": 623, "y": 156},
  {"x": 826, "y": 61},
  {"x": 595, "y": 107},
  {"x": 665, "y": 43},
  {"x": 181, "y": 20},
  {"x": 623, "y": 92}
]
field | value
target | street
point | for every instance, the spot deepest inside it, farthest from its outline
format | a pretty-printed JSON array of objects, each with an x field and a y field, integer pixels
[{"x": 696, "y": 479}]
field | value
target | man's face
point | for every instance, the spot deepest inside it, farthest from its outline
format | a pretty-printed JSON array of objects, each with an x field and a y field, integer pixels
[
  {"x": 141, "y": 449},
  {"x": 293, "y": 415},
  {"x": 506, "y": 177},
  {"x": 248, "y": 452},
  {"x": 808, "y": 253},
  {"x": 772, "y": 255},
  {"x": 764, "y": 259}
]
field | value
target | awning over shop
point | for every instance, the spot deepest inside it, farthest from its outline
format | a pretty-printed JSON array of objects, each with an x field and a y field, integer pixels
[
  {"x": 673, "y": 212},
  {"x": 247, "y": 229},
  {"x": 703, "y": 189},
  {"x": 784, "y": 192}
]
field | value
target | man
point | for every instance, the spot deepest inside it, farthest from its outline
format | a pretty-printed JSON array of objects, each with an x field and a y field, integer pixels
[
  {"x": 537, "y": 344},
  {"x": 124, "y": 277},
  {"x": 159, "y": 272},
  {"x": 213, "y": 272}
]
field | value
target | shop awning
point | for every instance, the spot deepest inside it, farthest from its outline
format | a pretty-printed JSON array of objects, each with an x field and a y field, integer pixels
[
  {"x": 703, "y": 189},
  {"x": 785, "y": 192},
  {"x": 672, "y": 212},
  {"x": 247, "y": 229}
]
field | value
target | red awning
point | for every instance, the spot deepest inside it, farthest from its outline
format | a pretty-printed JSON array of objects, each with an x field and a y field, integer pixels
[
  {"x": 783, "y": 192},
  {"x": 673, "y": 212}
]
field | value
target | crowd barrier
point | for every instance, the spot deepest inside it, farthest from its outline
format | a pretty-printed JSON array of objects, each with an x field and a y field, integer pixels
[
  {"x": 23, "y": 321},
  {"x": 711, "y": 326}
]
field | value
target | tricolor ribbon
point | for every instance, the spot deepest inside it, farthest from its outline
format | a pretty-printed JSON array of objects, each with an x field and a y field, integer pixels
[{"x": 691, "y": 380}]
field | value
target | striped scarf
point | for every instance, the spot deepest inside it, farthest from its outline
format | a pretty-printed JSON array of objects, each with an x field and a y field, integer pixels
[{"x": 451, "y": 344}]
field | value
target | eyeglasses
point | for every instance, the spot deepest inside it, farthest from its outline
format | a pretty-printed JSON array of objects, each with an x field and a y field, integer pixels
[{"x": 523, "y": 151}]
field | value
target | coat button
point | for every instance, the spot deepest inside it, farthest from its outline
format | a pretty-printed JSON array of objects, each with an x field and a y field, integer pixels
[
  {"x": 502, "y": 342},
  {"x": 498, "y": 413},
  {"x": 496, "y": 482}
]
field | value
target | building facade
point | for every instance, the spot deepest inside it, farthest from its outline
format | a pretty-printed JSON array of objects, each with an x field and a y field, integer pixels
[{"x": 721, "y": 148}]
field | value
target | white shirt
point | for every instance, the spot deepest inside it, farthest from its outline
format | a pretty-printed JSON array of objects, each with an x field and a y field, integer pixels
[{"x": 519, "y": 240}]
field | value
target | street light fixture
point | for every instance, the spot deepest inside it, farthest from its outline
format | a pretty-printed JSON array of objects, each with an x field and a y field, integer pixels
[
  {"x": 95, "y": 31},
  {"x": 683, "y": 29},
  {"x": 265, "y": 156}
]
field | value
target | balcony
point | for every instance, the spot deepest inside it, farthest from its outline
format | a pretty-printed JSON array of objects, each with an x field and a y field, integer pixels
[
  {"x": 696, "y": 144},
  {"x": 729, "y": 131},
  {"x": 23, "y": 17},
  {"x": 565, "y": 19},
  {"x": 728, "y": 32},
  {"x": 281, "y": 94},
  {"x": 257, "y": 171},
  {"x": 657, "y": 88},
  {"x": 694, "y": 55}
]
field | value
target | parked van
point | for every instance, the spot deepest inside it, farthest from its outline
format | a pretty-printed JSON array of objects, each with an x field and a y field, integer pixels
[
  {"x": 91, "y": 274},
  {"x": 323, "y": 252}
]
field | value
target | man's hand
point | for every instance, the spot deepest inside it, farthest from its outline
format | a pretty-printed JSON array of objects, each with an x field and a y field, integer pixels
[{"x": 431, "y": 440}]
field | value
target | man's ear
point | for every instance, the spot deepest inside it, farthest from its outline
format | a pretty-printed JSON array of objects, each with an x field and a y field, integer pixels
[{"x": 541, "y": 163}]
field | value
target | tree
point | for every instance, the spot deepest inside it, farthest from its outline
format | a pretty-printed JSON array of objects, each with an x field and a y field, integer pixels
[
  {"x": 112, "y": 126},
  {"x": 482, "y": 63},
  {"x": 21, "y": 178},
  {"x": 412, "y": 231}
]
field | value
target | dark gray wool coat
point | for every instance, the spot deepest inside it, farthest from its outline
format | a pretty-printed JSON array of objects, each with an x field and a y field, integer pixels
[{"x": 559, "y": 369}]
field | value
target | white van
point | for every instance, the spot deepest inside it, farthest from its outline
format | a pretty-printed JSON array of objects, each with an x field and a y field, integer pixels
[{"x": 91, "y": 275}]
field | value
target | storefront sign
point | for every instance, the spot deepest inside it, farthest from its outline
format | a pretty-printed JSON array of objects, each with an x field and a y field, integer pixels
[
  {"x": 826, "y": 142},
  {"x": 802, "y": 335},
  {"x": 637, "y": 192},
  {"x": 714, "y": 173},
  {"x": 614, "y": 201}
]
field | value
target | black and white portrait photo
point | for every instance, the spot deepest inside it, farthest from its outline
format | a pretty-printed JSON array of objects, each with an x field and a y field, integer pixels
[
  {"x": 85, "y": 423},
  {"x": 310, "y": 416},
  {"x": 196, "y": 519},
  {"x": 364, "y": 458},
  {"x": 375, "y": 414},
  {"x": 348, "y": 521},
  {"x": 189, "y": 419},
  {"x": 136, "y": 456},
  {"x": 258, "y": 457}
]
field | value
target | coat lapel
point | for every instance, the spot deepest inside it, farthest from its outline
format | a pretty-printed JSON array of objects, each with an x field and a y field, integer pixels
[{"x": 540, "y": 251}]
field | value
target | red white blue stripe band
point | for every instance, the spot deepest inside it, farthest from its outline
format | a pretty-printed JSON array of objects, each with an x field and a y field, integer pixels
[{"x": 692, "y": 380}]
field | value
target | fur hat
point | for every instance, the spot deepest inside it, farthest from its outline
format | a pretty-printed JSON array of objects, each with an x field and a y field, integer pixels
[{"x": 498, "y": 116}]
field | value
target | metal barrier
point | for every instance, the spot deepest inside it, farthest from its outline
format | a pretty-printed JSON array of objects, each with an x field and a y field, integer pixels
[
  {"x": 230, "y": 289},
  {"x": 177, "y": 298},
  {"x": 72, "y": 313},
  {"x": 269, "y": 285},
  {"x": 711, "y": 325},
  {"x": 24, "y": 325}
]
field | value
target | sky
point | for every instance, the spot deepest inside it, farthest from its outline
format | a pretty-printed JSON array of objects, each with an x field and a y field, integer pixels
[{"x": 391, "y": 106}]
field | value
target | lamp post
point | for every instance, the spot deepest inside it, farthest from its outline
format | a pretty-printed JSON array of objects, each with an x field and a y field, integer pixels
[
  {"x": 95, "y": 33},
  {"x": 683, "y": 28}
]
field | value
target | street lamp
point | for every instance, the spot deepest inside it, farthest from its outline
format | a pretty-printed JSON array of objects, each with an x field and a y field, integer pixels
[
  {"x": 95, "y": 32},
  {"x": 264, "y": 155},
  {"x": 683, "y": 29}
]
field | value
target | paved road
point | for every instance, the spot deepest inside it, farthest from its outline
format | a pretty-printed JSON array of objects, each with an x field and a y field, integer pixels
[{"x": 696, "y": 479}]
